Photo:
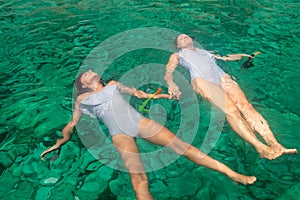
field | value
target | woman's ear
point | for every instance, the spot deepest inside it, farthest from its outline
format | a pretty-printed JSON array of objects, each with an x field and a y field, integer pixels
[{"x": 84, "y": 86}]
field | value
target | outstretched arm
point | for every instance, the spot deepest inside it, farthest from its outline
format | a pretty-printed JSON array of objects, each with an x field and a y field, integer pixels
[
  {"x": 143, "y": 95},
  {"x": 66, "y": 132},
  {"x": 170, "y": 67},
  {"x": 231, "y": 57},
  {"x": 140, "y": 93}
]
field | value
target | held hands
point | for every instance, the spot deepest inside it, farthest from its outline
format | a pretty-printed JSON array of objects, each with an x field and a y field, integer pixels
[
  {"x": 156, "y": 95},
  {"x": 174, "y": 91}
]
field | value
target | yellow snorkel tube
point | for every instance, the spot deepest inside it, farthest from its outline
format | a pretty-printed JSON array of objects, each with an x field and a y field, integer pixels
[{"x": 142, "y": 107}]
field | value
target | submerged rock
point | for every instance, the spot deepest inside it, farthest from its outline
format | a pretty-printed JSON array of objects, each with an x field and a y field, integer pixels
[{"x": 50, "y": 180}]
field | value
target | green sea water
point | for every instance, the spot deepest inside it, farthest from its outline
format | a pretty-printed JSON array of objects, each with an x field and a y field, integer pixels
[{"x": 43, "y": 46}]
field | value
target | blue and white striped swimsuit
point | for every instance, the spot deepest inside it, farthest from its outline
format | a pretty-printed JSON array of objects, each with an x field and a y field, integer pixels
[{"x": 115, "y": 112}]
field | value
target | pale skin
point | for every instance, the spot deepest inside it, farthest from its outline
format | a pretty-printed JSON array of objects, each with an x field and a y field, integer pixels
[
  {"x": 150, "y": 131},
  {"x": 229, "y": 97}
]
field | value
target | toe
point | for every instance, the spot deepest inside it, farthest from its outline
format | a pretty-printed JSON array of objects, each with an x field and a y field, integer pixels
[{"x": 290, "y": 151}]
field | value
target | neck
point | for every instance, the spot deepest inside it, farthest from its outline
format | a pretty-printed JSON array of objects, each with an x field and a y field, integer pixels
[
  {"x": 189, "y": 48},
  {"x": 97, "y": 87}
]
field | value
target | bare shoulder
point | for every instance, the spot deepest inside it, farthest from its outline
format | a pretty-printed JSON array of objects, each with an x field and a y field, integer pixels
[
  {"x": 174, "y": 56},
  {"x": 112, "y": 82},
  {"x": 82, "y": 97},
  {"x": 173, "y": 60}
]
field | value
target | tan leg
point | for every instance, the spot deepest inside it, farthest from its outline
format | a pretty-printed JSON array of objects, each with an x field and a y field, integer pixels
[
  {"x": 217, "y": 96},
  {"x": 164, "y": 137},
  {"x": 129, "y": 152},
  {"x": 253, "y": 118}
]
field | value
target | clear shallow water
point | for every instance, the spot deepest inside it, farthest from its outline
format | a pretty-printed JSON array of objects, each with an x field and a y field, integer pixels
[{"x": 43, "y": 46}]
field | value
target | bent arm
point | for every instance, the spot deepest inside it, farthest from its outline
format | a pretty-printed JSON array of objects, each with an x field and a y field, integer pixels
[
  {"x": 170, "y": 68},
  {"x": 231, "y": 57},
  {"x": 66, "y": 132}
]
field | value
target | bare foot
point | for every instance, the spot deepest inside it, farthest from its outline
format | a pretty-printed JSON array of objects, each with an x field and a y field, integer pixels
[
  {"x": 279, "y": 148},
  {"x": 268, "y": 152},
  {"x": 244, "y": 179}
]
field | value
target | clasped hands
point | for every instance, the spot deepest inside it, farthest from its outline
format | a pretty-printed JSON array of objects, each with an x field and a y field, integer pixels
[{"x": 174, "y": 91}]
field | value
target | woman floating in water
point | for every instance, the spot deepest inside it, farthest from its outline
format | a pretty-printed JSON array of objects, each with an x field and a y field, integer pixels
[
  {"x": 213, "y": 84},
  {"x": 125, "y": 123}
]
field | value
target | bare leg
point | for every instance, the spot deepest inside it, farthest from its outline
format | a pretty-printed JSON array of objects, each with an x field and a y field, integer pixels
[
  {"x": 216, "y": 95},
  {"x": 130, "y": 154},
  {"x": 164, "y": 137},
  {"x": 253, "y": 118}
]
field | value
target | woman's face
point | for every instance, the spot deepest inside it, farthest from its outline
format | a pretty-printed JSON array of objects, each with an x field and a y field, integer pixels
[
  {"x": 184, "y": 41},
  {"x": 89, "y": 79}
]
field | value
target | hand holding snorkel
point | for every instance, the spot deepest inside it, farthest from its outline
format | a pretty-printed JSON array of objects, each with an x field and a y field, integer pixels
[
  {"x": 142, "y": 107},
  {"x": 249, "y": 62}
]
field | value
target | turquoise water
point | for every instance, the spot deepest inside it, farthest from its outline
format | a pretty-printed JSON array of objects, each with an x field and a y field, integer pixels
[{"x": 43, "y": 46}]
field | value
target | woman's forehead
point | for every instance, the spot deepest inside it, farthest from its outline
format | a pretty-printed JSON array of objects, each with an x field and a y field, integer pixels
[{"x": 182, "y": 35}]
